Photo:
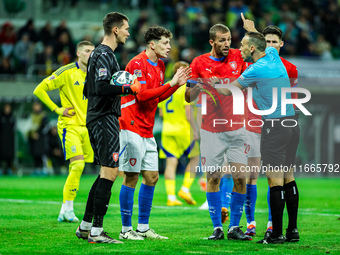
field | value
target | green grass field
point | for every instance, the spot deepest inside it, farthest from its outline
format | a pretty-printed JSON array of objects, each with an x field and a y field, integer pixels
[{"x": 30, "y": 207}]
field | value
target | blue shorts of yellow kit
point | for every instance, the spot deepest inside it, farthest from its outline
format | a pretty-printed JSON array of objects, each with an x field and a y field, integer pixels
[
  {"x": 75, "y": 141},
  {"x": 178, "y": 146}
]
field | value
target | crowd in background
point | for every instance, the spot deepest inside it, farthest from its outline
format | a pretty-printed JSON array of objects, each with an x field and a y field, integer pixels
[
  {"x": 311, "y": 29},
  {"x": 43, "y": 143},
  {"x": 27, "y": 45}
]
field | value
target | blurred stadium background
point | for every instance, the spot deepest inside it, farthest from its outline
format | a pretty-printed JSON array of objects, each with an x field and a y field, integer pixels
[{"x": 39, "y": 36}]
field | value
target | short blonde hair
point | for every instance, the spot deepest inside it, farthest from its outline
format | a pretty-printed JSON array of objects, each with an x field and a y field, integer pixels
[
  {"x": 84, "y": 43},
  {"x": 178, "y": 64}
]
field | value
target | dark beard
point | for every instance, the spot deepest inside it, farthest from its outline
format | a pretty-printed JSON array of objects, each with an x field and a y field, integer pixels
[
  {"x": 220, "y": 54},
  {"x": 249, "y": 59}
]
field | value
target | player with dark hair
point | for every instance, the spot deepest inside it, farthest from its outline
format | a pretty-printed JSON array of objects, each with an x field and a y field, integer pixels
[
  {"x": 273, "y": 36},
  {"x": 219, "y": 140},
  {"x": 102, "y": 122},
  {"x": 138, "y": 146},
  {"x": 72, "y": 129},
  {"x": 278, "y": 143}
]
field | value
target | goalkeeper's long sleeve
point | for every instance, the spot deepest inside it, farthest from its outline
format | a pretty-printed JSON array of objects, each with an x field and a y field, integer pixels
[{"x": 103, "y": 88}]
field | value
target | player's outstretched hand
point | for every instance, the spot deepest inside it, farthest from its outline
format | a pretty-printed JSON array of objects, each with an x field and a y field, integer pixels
[
  {"x": 212, "y": 81},
  {"x": 199, "y": 84},
  {"x": 67, "y": 112},
  {"x": 181, "y": 76},
  {"x": 248, "y": 24}
]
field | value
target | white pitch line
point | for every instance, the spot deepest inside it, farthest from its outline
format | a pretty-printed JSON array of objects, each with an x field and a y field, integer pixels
[{"x": 303, "y": 211}]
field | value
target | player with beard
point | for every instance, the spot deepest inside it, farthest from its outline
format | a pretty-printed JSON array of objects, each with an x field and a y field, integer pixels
[
  {"x": 219, "y": 140},
  {"x": 273, "y": 36},
  {"x": 278, "y": 143}
]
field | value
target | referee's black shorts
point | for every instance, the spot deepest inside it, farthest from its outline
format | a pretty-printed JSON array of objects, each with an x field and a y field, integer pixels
[
  {"x": 104, "y": 138},
  {"x": 279, "y": 141}
]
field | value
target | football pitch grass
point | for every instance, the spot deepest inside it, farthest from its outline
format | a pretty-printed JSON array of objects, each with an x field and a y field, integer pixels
[{"x": 30, "y": 208}]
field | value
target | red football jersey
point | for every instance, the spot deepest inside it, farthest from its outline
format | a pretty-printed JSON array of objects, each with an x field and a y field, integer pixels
[
  {"x": 293, "y": 78},
  {"x": 138, "y": 114},
  {"x": 292, "y": 74},
  {"x": 227, "y": 69}
]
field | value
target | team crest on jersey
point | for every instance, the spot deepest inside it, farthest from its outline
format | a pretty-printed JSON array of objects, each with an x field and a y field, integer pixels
[
  {"x": 203, "y": 161},
  {"x": 52, "y": 77},
  {"x": 162, "y": 75},
  {"x": 102, "y": 72},
  {"x": 133, "y": 161},
  {"x": 73, "y": 149},
  {"x": 115, "y": 156},
  {"x": 233, "y": 65},
  {"x": 138, "y": 73}
]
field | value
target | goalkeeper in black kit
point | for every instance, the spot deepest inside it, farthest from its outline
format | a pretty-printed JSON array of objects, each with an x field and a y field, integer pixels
[{"x": 102, "y": 123}]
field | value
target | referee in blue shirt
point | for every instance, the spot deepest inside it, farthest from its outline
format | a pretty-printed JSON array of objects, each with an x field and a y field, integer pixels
[{"x": 280, "y": 133}]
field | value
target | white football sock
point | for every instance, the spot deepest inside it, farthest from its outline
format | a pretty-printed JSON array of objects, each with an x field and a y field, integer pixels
[
  {"x": 62, "y": 210},
  {"x": 269, "y": 224},
  {"x": 85, "y": 225},
  {"x": 68, "y": 205},
  {"x": 251, "y": 223},
  {"x": 185, "y": 189},
  {"x": 126, "y": 229},
  {"x": 96, "y": 231},
  {"x": 172, "y": 197},
  {"x": 143, "y": 227}
]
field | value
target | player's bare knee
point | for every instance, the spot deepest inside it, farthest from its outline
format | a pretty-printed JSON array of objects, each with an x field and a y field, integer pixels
[
  {"x": 252, "y": 180},
  {"x": 151, "y": 179},
  {"x": 170, "y": 173},
  {"x": 239, "y": 175},
  {"x": 213, "y": 182},
  {"x": 130, "y": 179},
  {"x": 78, "y": 157},
  {"x": 288, "y": 179},
  {"x": 275, "y": 182},
  {"x": 109, "y": 173},
  {"x": 240, "y": 185}
]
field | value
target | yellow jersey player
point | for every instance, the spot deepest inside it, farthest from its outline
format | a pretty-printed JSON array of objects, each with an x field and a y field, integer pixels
[
  {"x": 179, "y": 138},
  {"x": 72, "y": 129}
]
